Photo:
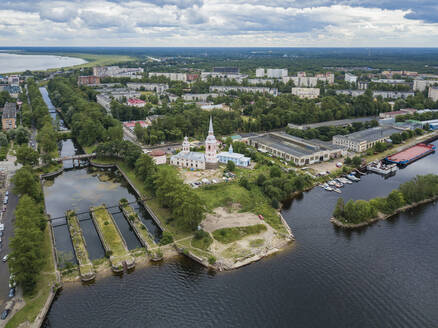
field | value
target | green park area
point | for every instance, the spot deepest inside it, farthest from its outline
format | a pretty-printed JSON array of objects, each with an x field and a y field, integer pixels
[{"x": 116, "y": 249}]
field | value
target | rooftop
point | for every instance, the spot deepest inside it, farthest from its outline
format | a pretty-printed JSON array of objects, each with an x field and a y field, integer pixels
[
  {"x": 291, "y": 145},
  {"x": 191, "y": 156},
  {"x": 10, "y": 110},
  {"x": 371, "y": 134}
]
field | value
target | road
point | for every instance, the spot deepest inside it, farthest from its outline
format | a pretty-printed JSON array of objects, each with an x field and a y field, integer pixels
[{"x": 8, "y": 219}]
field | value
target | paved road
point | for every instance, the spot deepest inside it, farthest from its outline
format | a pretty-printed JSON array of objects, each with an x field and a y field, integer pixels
[{"x": 8, "y": 219}]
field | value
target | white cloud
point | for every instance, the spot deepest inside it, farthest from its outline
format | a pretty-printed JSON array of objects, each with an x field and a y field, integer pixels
[{"x": 211, "y": 23}]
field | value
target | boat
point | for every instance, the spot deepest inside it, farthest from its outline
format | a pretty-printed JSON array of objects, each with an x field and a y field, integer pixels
[
  {"x": 337, "y": 190},
  {"x": 331, "y": 183},
  {"x": 338, "y": 185},
  {"x": 329, "y": 188},
  {"x": 381, "y": 168},
  {"x": 344, "y": 181},
  {"x": 353, "y": 178},
  {"x": 412, "y": 154}
]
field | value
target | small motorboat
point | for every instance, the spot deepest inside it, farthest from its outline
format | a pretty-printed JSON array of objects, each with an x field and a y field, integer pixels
[{"x": 337, "y": 190}]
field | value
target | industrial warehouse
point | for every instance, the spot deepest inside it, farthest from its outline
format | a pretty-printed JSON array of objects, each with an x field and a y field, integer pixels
[{"x": 297, "y": 150}]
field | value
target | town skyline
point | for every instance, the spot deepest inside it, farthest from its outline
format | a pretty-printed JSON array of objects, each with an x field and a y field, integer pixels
[{"x": 210, "y": 23}]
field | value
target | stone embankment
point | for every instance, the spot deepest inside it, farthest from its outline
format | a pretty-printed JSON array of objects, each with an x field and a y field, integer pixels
[{"x": 86, "y": 269}]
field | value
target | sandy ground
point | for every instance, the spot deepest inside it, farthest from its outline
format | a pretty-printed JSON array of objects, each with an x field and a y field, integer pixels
[
  {"x": 247, "y": 249},
  {"x": 193, "y": 176}
]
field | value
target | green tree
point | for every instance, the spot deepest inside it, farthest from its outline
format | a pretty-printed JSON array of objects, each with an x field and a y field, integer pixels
[
  {"x": 21, "y": 135},
  {"x": 3, "y": 140},
  {"x": 27, "y": 156},
  {"x": 339, "y": 209},
  {"x": 231, "y": 166},
  {"x": 26, "y": 183}
]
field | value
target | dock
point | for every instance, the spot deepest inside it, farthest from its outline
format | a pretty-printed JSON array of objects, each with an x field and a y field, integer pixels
[
  {"x": 112, "y": 240},
  {"x": 139, "y": 229},
  {"x": 86, "y": 269}
]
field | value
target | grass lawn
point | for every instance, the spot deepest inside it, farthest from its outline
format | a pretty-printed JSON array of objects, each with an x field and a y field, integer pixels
[
  {"x": 254, "y": 201},
  {"x": 229, "y": 235},
  {"x": 35, "y": 302},
  {"x": 202, "y": 243},
  {"x": 109, "y": 231}
]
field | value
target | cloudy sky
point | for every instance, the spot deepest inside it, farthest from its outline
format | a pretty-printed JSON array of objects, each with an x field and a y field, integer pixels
[{"x": 285, "y": 23}]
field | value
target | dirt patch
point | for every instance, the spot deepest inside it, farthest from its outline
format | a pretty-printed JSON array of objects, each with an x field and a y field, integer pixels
[
  {"x": 248, "y": 249},
  {"x": 194, "y": 176}
]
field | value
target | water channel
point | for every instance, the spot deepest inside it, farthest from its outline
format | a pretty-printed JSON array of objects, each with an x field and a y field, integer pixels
[{"x": 384, "y": 275}]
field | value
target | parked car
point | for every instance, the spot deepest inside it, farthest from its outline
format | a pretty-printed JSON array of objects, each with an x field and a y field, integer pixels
[
  {"x": 1, "y": 233},
  {"x": 5, "y": 258},
  {"x": 5, "y": 314},
  {"x": 7, "y": 193},
  {"x": 4, "y": 208},
  {"x": 2, "y": 227},
  {"x": 11, "y": 292}
]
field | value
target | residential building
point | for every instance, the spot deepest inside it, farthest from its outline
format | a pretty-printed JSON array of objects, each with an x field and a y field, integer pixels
[
  {"x": 236, "y": 158},
  {"x": 276, "y": 73},
  {"x": 309, "y": 93},
  {"x": 394, "y": 114},
  {"x": 392, "y": 94},
  {"x": 14, "y": 80},
  {"x": 302, "y": 80},
  {"x": 350, "y": 92},
  {"x": 390, "y": 81},
  {"x": 210, "y": 106},
  {"x": 134, "y": 102},
  {"x": 104, "y": 100},
  {"x": 158, "y": 156},
  {"x": 203, "y": 97},
  {"x": 350, "y": 78},
  {"x": 224, "y": 89},
  {"x": 159, "y": 88},
  {"x": 197, "y": 160},
  {"x": 297, "y": 150},
  {"x": 88, "y": 80},
  {"x": 421, "y": 85},
  {"x": 433, "y": 93},
  {"x": 116, "y": 71},
  {"x": 260, "y": 72},
  {"x": 9, "y": 116},
  {"x": 171, "y": 76},
  {"x": 226, "y": 70},
  {"x": 260, "y": 81},
  {"x": 224, "y": 76},
  {"x": 362, "y": 85},
  {"x": 362, "y": 140}
]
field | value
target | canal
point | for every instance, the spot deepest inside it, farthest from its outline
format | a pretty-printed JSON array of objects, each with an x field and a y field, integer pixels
[
  {"x": 56, "y": 118},
  {"x": 384, "y": 275}
]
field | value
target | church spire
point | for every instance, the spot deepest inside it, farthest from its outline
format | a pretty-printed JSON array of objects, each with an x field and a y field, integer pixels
[{"x": 210, "y": 128}]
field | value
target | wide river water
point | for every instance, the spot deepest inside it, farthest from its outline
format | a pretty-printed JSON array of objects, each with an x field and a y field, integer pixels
[
  {"x": 10, "y": 63},
  {"x": 384, "y": 275}
]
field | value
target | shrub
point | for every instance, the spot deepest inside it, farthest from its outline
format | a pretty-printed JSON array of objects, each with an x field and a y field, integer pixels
[
  {"x": 166, "y": 238},
  {"x": 211, "y": 260}
]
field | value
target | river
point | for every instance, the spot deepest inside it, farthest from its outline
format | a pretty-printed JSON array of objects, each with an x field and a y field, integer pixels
[
  {"x": 384, "y": 275},
  {"x": 10, "y": 63}
]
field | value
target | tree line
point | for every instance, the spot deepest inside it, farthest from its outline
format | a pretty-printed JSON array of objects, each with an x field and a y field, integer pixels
[
  {"x": 27, "y": 254},
  {"x": 420, "y": 188}
]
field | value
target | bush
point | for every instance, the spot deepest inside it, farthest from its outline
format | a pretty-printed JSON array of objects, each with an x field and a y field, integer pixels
[
  {"x": 166, "y": 238},
  {"x": 231, "y": 166},
  {"x": 274, "y": 203},
  {"x": 211, "y": 260}
]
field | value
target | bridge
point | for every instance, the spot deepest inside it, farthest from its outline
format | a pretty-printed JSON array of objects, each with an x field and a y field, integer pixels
[{"x": 73, "y": 157}]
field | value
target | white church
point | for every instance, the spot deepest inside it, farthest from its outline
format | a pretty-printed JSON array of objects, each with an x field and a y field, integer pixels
[{"x": 196, "y": 160}]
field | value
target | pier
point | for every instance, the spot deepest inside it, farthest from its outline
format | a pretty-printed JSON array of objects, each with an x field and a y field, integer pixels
[{"x": 86, "y": 269}]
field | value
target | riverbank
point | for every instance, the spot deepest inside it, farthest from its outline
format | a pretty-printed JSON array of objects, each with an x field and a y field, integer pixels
[{"x": 380, "y": 216}]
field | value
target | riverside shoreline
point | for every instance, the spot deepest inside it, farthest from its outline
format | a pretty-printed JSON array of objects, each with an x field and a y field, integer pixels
[{"x": 381, "y": 216}]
